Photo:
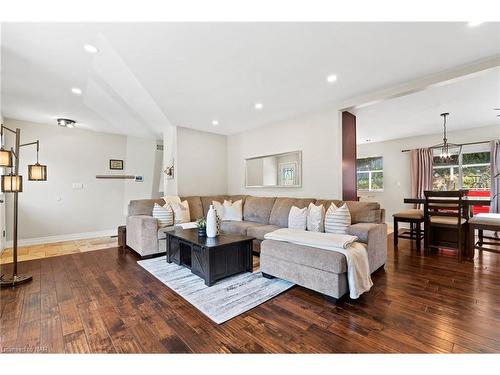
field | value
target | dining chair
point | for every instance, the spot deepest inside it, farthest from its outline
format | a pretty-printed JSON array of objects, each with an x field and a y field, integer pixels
[
  {"x": 415, "y": 218},
  {"x": 482, "y": 222},
  {"x": 444, "y": 221}
]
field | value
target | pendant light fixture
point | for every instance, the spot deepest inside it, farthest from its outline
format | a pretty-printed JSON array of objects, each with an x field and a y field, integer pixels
[
  {"x": 12, "y": 183},
  {"x": 37, "y": 172},
  {"x": 5, "y": 155},
  {"x": 447, "y": 150}
]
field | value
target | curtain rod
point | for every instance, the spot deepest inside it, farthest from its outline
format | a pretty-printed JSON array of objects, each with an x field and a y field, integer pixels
[{"x": 463, "y": 144}]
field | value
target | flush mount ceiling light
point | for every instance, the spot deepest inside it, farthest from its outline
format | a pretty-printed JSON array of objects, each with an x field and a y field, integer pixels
[
  {"x": 76, "y": 91},
  {"x": 474, "y": 24},
  {"x": 66, "y": 123},
  {"x": 259, "y": 106},
  {"x": 215, "y": 123},
  {"x": 90, "y": 48},
  {"x": 331, "y": 78}
]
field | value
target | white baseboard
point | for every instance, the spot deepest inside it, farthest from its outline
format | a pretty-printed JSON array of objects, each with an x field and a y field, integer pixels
[{"x": 61, "y": 238}]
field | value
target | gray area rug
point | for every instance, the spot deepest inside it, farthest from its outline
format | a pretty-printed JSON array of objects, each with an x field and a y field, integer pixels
[{"x": 223, "y": 301}]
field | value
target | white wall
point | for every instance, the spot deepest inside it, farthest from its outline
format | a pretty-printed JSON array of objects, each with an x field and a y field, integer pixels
[
  {"x": 397, "y": 184},
  {"x": 53, "y": 208},
  {"x": 140, "y": 160},
  {"x": 201, "y": 164},
  {"x": 317, "y": 135},
  {"x": 169, "y": 159}
]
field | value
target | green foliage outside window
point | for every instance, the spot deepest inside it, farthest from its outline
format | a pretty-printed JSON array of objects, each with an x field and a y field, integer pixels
[
  {"x": 370, "y": 174},
  {"x": 476, "y": 172}
]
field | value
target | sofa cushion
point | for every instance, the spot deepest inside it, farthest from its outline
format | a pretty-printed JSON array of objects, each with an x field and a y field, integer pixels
[
  {"x": 328, "y": 202},
  {"x": 195, "y": 207},
  {"x": 281, "y": 209},
  {"x": 235, "y": 198},
  {"x": 364, "y": 212},
  {"x": 361, "y": 212},
  {"x": 258, "y": 209},
  {"x": 238, "y": 227},
  {"x": 260, "y": 231},
  {"x": 207, "y": 201},
  {"x": 143, "y": 206},
  {"x": 326, "y": 260}
]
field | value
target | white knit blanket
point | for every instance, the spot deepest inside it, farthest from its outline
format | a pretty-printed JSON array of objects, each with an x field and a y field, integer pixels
[{"x": 358, "y": 268}]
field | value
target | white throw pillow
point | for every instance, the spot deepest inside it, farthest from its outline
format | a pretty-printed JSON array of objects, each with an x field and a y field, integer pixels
[
  {"x": 315, "y": 218},
  {"x": 232, "y": 211},
  {"x": 164, "y": 215},
  {"x": 297, "y": 218},
  {"x": 337, "y": 219},
  {"x": 181, "y": 212},
  {"x": 172, "y": 199},
  {"x": 219, "y": 208}
]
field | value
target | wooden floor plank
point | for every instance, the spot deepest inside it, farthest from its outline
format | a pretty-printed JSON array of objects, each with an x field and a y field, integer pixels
[{"x": 102, "y": 301}]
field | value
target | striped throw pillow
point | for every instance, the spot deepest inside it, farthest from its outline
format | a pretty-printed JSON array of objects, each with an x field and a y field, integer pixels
[
  {"x": 297, "y": 218},
  {"x": 164, "y": 215},
  {"x": 337, "y": 219}
]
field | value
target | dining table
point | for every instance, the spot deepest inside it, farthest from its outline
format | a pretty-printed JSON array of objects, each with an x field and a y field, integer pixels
[{"x": 468, "y": 203}]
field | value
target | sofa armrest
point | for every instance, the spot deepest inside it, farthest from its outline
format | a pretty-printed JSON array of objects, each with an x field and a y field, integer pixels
[
  {"x": 375, "y": 237},
  {"x": 142, "y": 234}
]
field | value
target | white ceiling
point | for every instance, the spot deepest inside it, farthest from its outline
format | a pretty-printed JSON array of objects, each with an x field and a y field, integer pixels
[
  {"x": 148, "y": 74},
  {"x": 469, "y": 101}
]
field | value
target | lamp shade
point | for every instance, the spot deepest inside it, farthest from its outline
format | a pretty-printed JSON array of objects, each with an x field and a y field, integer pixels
[
  {"x": 37, "y": 172},
  {"x": 12, "y": 183},
  {"x": 5, "y": 158}
]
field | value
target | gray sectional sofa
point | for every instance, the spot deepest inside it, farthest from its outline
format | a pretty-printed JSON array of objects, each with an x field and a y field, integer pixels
[{"x": 317, "y": 269}]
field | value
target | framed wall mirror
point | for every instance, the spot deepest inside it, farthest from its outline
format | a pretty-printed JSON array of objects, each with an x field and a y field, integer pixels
[{"x": 278, "y": 170}]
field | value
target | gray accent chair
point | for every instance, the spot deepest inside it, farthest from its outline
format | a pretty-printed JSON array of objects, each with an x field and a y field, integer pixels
[{"x": 317, "y": 269}]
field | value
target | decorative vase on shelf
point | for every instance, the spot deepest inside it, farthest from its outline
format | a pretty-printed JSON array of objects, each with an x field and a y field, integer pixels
[{"x": 211, "y": 222}]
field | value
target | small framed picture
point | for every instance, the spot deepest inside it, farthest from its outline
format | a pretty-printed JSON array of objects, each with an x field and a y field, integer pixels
[{"x": 116, "y": 164}]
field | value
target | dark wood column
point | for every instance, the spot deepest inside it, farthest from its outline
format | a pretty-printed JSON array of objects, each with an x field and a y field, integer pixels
[{"x": 349, "y": 188}]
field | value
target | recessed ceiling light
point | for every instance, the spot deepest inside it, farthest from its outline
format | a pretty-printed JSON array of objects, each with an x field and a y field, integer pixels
[
  {"x": 331, "y": 78},
  {"x": 259, "y": 106},
  {"x": 215, "y": 123},
  {"x": 90, "y": 48},
  {"x": 76, "y": 91},
  {"x": 474, "y": 24}
]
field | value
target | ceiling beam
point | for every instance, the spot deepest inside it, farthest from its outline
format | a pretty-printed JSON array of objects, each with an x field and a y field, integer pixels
[{"x": 435, "y": 80}]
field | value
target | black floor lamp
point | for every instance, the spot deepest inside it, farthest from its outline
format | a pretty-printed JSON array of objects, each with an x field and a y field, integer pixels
[{"x": 13, "y": 183}]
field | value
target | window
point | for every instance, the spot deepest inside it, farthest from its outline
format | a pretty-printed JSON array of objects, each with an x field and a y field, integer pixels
[
  {"x": 469, "y": 170},
  {"x": 370, "y": 174}
]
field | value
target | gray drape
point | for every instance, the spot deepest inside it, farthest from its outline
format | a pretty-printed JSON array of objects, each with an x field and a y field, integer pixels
[
  {"x": 421, "y": 171},
  {"x": 495, "y": 176}
]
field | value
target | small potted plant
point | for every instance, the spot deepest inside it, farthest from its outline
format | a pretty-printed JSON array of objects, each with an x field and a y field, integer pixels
[{"x": 201, "y": 224}]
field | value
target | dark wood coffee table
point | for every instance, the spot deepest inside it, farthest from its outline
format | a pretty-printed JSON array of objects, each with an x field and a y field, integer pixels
[{"x": 210, "y": 258}]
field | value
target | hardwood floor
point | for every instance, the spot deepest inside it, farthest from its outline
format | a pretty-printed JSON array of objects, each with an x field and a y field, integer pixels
[{"x": 102, "y": 301}]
